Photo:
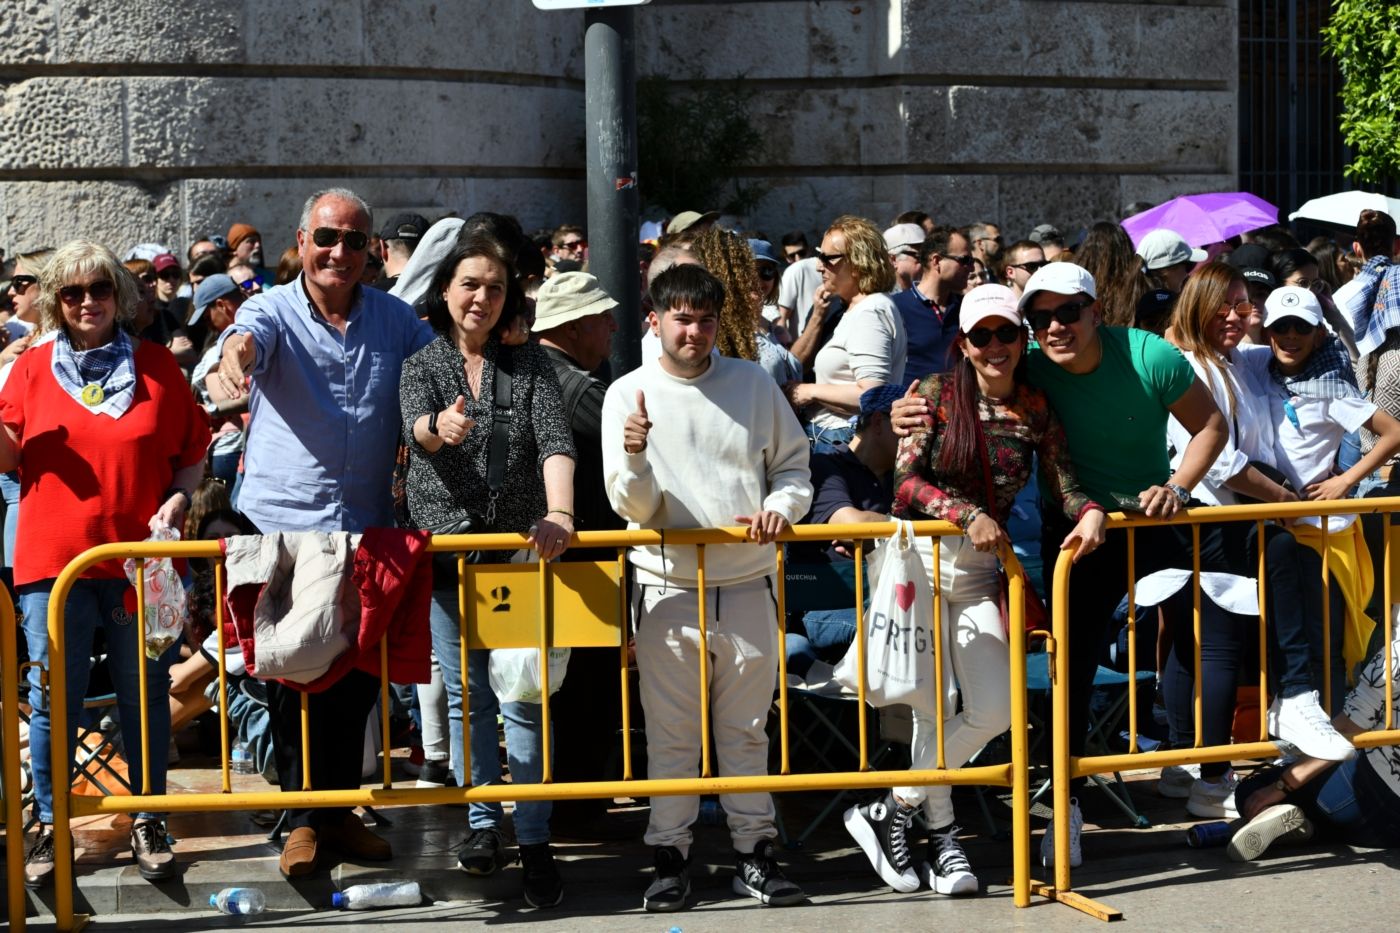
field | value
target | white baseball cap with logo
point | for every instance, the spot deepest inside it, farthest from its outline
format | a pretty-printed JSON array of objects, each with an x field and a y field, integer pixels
[
  {"x": 986, "y": 301},
  {"x": 1062, "y": 278},
  {"x": 1292, "y": 301}
]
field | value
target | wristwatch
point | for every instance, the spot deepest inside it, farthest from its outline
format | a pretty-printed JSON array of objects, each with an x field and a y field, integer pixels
[
  {"x": 432, "y": 424},
  {"x": 211, "y": 409},
  {"x": 1183, "y": 495}
]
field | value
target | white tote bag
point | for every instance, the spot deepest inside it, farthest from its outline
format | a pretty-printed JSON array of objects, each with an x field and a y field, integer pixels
[{"x": 898, "y": 630}]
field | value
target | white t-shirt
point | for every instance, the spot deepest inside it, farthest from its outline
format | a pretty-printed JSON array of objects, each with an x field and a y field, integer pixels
[
  {"x": 1250, "y": 429},
  {"x": 800, "y": 282},
  {"x": 868, "y": 343}
]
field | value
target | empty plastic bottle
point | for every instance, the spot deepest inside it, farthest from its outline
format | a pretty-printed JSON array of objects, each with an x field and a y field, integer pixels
[
  {"x": 238, "y": 901},
  {"x": 711, "y": 813},
  {"x": 370, "y": 896}
]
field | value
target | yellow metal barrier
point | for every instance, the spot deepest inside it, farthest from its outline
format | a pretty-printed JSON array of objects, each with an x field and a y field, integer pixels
[
  {"x": 15, "y": 692},
  {"x": 1066, "y": 768},
  {"x": 591, "y": 621}
]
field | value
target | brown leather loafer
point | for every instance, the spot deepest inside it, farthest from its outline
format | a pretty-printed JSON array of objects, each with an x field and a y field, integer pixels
[
  {"x": 299, "y": 853},
  {"x": 354, "y": 839}
]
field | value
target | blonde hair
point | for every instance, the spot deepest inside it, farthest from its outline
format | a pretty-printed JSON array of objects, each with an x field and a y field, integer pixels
[
  {"x": 728, "y": 258},
  {"x": 866, "y": 252},
  {"x": 81, "y": 258},
  {"x": 1204, "y": 294}
]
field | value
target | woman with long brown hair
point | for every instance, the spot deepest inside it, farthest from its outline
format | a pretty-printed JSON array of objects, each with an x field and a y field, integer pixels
[{"x": 1108, "y": 255}]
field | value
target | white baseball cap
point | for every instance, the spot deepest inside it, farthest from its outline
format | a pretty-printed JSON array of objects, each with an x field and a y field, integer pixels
[
  {"x": 1292, "y": 301},
  {"x": 904, "y": 236},
  {"x": 1062, "y": 278},
  {"x": 986, "y": 301},
  {"x": 1162, "y": 248}
]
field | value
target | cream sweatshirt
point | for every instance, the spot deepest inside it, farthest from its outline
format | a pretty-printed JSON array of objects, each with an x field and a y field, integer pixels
[{"x": 721, "y": 445}]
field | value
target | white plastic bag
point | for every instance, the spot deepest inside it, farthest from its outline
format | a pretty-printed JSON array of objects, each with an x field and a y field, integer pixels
[
  {"x": 164, "y": 595},
  {"x": 898, "y": 630},
  {"x": 515, "y": 673}
]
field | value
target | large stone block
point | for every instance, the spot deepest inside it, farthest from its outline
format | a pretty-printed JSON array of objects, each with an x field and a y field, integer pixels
[
  {"x": 117, "y": 213},
  {"x": 1069, "y": 201},
  {"x": 1126, "y": 41},
  {"x": 62, "y": 123},
  {"x": 309, "y": 32},
  {"x": 29, "y": 31},
  {"x": 150, "y": 31},
  {"x": 1159, "y": 188},
  {"x": 307, "y": 122},
  {"x": 953, "y": 199},
  {"x": 831, "y": 126},
  {"x": 474, "y": 35}
]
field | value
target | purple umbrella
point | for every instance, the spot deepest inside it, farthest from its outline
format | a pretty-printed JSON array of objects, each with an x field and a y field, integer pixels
[{"x": 1201, "y": 219}]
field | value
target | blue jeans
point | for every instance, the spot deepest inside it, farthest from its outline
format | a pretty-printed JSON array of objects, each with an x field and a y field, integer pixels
[
  {"x": 9, "y": 488},
  {"x": 523, "y": 729},
  {"x": 824, "y": 440},
  {"x": 822, "y": 633},
  {"x": 1348, "y": 802},
  {"x": 93, "y": 604}
]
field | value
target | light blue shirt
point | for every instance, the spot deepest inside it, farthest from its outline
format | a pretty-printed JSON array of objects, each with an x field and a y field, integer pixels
[{"x": 325, "y": 409}]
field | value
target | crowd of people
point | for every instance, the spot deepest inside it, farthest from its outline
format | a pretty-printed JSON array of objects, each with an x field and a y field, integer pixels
[{"x": 453, "y": 377}]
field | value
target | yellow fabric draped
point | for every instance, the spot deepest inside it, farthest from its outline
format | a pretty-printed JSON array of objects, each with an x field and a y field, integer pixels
[{"x": 1349, "y": 563}]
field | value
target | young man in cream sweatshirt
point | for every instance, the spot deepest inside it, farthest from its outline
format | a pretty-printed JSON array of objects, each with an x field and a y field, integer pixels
[{"x": 725, "y": 447}]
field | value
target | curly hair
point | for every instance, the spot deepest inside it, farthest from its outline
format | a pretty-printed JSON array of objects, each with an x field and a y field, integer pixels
[
  {"x": 1108, "y": 254},
  {"x": 866, "y": 252},
  {"x": 82, "y": 258},
  {"x": 728, "y": 258}
]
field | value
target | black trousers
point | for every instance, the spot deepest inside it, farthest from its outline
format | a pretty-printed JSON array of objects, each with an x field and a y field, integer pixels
[{"x": 336, "y": 732}]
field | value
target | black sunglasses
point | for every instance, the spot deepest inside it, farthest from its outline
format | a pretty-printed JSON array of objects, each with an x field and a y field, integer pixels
[
  {"x": 979, "y": 337},
  {"x": 767, "y": 273},
  {"x": 965, "y": 261},
  {"x": 72, "y": 295},
  {"x": 1067, "y": 313},
  {"x": 829, "y": 259},
  {"x": 148, "y": 277},
  {"x": 1290, "y": 324},
  {"x": 325, "y": 237},
  {"x": 172, "y": 273},
  {"x": 1031, "y": 267},
  {"x": 20, "y": 283}
]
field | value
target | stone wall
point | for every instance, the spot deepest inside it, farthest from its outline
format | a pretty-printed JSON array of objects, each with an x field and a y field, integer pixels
[
  {"x": 140, "y": 120},
  {"x": 135, "y": 120},
  {"x": 1019, "y": 111}
]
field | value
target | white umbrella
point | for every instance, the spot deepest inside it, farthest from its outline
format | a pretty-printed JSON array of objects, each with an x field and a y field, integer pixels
[{"x": 1344, "y": 207}]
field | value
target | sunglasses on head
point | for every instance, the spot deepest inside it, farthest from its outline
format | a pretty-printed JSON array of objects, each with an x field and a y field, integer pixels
[
  {"x": 1067, "y": 313},
  {"x": 1295, "y": 325},
  {"x": 20, "y": 283},
  {"x": 72, "y": 295},
  {"x": 767, "y": 273},
  {"x": 829, "y": 259},
  {"x": 1007, "y": 334},
  {"x": 326, "y": 237}
]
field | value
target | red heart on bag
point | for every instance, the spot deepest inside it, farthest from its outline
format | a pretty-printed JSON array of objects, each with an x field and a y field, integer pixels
[{"x": 904, "y": 595}]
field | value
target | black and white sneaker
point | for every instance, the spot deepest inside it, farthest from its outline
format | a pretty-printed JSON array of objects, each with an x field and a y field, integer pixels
[
  {"x": 483, "y": 852},
  {"x": 947, "y": 870},
  {"x": 671, "y": 885},
  {"x": 758, "y": 875},
  {"x": 881, "y": 830},
  {"x": 435, "y": 774}
]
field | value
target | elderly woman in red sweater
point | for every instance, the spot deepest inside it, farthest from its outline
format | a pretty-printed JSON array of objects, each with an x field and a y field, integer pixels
[{"x": 108, "y": 442}]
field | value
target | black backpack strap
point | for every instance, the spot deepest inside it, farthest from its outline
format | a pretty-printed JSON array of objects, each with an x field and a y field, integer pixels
[{"x": 500, "y": 424}]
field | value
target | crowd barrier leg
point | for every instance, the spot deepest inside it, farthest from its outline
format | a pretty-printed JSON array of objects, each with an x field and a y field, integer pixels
[{"x": 14, "y": 816}]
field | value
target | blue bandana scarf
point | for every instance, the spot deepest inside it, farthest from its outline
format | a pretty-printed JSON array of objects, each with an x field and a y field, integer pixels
[{"x": 101, "y": 380}]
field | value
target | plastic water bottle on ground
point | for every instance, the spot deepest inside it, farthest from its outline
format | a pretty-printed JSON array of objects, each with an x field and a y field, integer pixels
[
  {"x": 238, "y": 901},
  {"x": 240, "y": 759},
  {"x": 370, "y": 896}
]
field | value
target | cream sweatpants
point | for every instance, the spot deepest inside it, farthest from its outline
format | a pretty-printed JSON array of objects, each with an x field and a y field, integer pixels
[
  {"x": 980, "y": 664},
  {"x": 742, "y": 626}
]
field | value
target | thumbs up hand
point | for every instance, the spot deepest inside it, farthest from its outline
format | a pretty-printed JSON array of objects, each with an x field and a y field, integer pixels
[
  {"x": 453, "y": 424},
  {"x": 635, "y": 431}
]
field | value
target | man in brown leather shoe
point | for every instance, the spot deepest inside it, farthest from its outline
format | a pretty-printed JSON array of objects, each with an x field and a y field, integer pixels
[
  {"x": 298, "y": 853},
  {"x": 353, "y": 838}
]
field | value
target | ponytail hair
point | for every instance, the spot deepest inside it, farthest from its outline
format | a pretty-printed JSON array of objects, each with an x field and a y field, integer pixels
[{"x": 962, "y": 433}]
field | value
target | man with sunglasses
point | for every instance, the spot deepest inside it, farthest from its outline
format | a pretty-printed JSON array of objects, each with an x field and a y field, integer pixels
[
  {"x": 987, "y": 244},
  {"x": 930, "y": 306},
  {"x": 324, "y": 355},
  {"x": 1023, "y": 259}
]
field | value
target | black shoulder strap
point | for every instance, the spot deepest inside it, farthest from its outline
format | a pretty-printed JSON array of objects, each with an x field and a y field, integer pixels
[{"x": 500, "y": 421}]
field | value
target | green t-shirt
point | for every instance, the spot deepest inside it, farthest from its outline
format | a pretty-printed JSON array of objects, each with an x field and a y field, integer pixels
[{"x": 1115, "y": 417}]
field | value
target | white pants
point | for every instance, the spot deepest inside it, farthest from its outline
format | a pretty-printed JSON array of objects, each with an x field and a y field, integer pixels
[
  {"x": 980, "y": 663},
  {"x": 742, "y": 625}
]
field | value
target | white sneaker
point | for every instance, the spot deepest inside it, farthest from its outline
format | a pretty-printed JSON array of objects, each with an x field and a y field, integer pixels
[
  {"x": 1214, "y": 800},
  {"x": 1076, "y": 829},
  {"x": 1301, "y": 722},
  {"x": 1176, "y": 781},
  {"x": 1281, "y": 821}
]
